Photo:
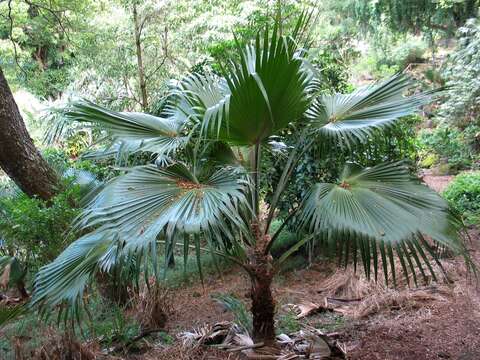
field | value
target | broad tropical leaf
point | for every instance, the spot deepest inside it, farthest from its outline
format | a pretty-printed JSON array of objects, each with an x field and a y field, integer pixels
[
  {"x": 352, "y": 117},
  {"x": 64, "y": 280},
  {"x": 135, "y": 131},
  {"x": 383, "y": 206},
  {"x": 138, "y": 208},
  {"x": 258, "y": 97},
  {"x": 149, "y": 200}
]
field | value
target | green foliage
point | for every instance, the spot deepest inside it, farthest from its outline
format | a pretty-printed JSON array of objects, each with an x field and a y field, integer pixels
[
  {"x": 287, "y": 323},
  {"x": 238, "y": 309},
  {"x": 322, "y": 163},
  {"x": 112, "y": 325},
  {"x": 429, "y": 160},
  {"x": 39, "y": 38},
  {"x": 204, "y": 194},
  {"x": 461, "y": 73},
  {"x": 411, "y": 50},
  {"x": 410, "y": 16},
  {"x": 36, "y": 231},
  {"x": 285, "y": 240},
  {"x": 463, "y": 193},
  {"x": 447, "y": 144}
]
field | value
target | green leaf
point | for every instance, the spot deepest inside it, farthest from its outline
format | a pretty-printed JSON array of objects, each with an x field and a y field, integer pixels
[
  {"x": 351, "y": 118},
  {"x": 10, "y": 313},
  {"x": 149, "y": 200},
  {"x": 384, "y": 206},
  {"x": 261, "y": 95},
  {"x": 133, "y": 131},
  {"x": 65, "y": 279}
]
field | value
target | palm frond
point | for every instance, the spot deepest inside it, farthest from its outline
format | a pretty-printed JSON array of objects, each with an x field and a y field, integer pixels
[
  {"x": 148, "y": 200},
  {"x": 141, "y": 207},
  {"x": 137, "y": 131},
  {"x": 379, "y": 211},
  {"x": 351, "y": 118},
  {"x": 261, "y": 95},
  {"x": 64, "y": 280}
]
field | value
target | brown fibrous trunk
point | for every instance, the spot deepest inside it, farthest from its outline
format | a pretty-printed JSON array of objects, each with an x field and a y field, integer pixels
[{"x": 263, "y": 305}]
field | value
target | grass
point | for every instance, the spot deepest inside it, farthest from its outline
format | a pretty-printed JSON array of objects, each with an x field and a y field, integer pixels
[
  {"x": 328, "y": 322},
  {"x": 288, "y": 323}
]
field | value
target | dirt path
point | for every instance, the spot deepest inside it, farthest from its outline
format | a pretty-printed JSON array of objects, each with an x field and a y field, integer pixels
[{"x": 436, "y": 182}]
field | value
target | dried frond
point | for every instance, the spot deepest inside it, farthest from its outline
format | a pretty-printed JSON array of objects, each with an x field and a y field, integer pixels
[
  {"x": 152, "y": 307},
  {"x": 59, "y": 347},
  {"x": 395, "y": 300}
]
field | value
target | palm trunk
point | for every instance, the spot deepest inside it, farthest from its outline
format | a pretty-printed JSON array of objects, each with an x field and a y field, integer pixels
[{"x": 263, "y": 305}]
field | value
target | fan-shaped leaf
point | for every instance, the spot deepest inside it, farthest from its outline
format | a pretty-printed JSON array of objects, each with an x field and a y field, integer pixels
[
  {"x": 150, "y": 200},
  {"x": 352, "y": 117},
  {"x": 383, "y": 206},
  {"x": 135, "y": 131},
  {"x": 261, "y": 95}
]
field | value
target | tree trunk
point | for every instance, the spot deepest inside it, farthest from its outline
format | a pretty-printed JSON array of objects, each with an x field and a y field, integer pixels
[
  {"x": 263, "y": 305},
  {"x": 141, "y": 70},
  {"x": 19, "y": 157}
]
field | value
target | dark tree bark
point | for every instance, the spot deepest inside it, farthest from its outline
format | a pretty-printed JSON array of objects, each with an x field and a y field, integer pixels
[
  {"x": 19, "y": 157},
  {"x": 263, "y": 305}
]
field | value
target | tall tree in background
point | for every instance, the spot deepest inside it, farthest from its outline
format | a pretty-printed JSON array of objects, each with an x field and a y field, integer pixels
[
  {"x": 138, "y": 45},
  {"x": 19, "y": 157}
]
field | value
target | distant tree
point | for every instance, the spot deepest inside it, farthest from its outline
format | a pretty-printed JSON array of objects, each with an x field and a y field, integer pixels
[
  {"x": 19, "y": 157},
  {"x": 41, "y": 40}
]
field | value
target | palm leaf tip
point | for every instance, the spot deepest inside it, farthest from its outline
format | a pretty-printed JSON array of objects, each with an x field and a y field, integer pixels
[{"x": 258, "y": 96}]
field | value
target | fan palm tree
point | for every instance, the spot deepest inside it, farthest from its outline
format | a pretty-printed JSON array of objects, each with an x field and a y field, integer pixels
[{"x": 201, "y": 195}]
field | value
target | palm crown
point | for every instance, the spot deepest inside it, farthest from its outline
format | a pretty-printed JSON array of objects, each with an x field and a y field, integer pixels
[{"x": 209, "y": 200}]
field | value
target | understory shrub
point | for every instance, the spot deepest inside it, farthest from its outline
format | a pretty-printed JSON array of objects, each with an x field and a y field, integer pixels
[
  {"x": 412, "y": 50},
  {"x": 36, "y": 231},
  {"x": 463, "y": 193},
  {"x": 446, "y": 145}
]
